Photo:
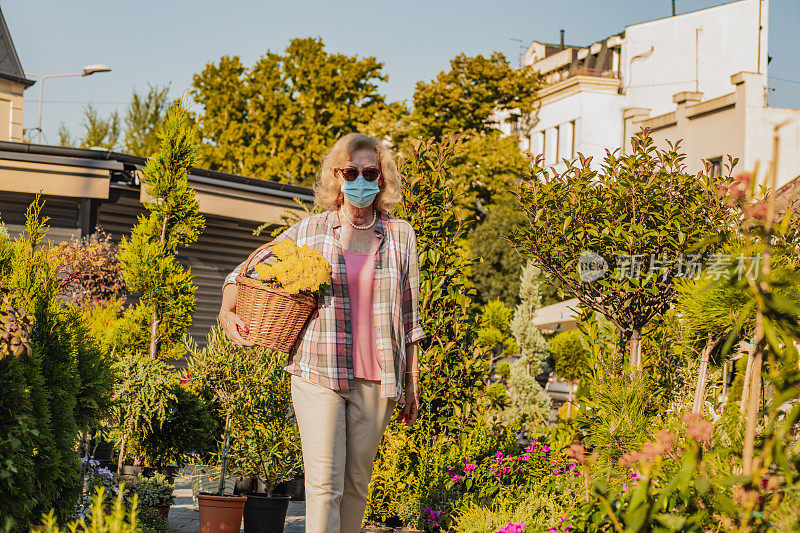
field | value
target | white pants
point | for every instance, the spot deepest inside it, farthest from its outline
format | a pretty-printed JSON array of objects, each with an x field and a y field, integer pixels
[{"x": 339, "y": 434}]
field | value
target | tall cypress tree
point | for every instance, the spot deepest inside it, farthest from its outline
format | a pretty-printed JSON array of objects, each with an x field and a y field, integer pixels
[{"x": 149, "y": 258}]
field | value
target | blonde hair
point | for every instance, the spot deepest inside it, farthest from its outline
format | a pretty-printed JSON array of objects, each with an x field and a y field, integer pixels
[{"x": 327, "y": 191}]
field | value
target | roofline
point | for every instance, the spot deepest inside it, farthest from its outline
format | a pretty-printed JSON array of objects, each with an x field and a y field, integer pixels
[
  {"x": 687, "y": 13},
  {"x": 22, "y": 81},
  {"x": 203, "y": 175},
  {"x": 15, "y": 56}
]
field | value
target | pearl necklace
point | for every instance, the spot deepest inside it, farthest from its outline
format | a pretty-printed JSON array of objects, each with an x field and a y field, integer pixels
[{"x": 366, "y": 226}]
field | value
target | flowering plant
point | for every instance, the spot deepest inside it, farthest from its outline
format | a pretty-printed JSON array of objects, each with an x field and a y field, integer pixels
[{"x": 295, "y": 269}]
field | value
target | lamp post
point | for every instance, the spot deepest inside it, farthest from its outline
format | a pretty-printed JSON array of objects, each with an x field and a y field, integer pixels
[{"x": 87, "y": 70}]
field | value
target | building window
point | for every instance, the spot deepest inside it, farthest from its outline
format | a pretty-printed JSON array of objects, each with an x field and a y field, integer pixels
[
  {"x": 551, "y": 146},
  {"x": 716, "y": 166},
  {"x": 566, "y": 142}
]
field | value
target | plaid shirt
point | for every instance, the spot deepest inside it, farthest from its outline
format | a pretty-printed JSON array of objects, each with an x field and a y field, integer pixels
[{"x": 323, "y": 353}]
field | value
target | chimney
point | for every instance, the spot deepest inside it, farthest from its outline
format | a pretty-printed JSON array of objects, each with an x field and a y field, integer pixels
[
  {"x": 673, "y": 8},
  {"x": 562, "y": 39}
]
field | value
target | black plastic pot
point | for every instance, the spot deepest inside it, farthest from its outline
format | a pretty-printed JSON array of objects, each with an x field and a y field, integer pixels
[
  {"x": 294, "y": 488},
  {"x": 265, "y": 514}
]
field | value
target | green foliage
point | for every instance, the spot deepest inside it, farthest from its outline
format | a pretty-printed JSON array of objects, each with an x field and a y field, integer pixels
[
  {"x": 276, "y": 119},
  {"x": 570, "y": 355},
  {"x": 144, "y": 116},
  {"x": 149, "y": 257},
  {"x": 188, "y": 427},
  {"x": 452, "y": 370},
  {"x": 99, "y": 132},
  {"x": 530, "y": 404},
  {"x": 497, "y": 266},
  {"x": 536, "y": 509},
  {"x": 143, "y": 393},
  {"x": 151, "y": 521},
  {"x": 616, "y": 415},
  {"x": 252, "y": 392},
  {"x": 638, "y": 205},
  {"x": 265, "y": 441},
  {"x": 122, "y": 518},
  {"x": 494, "y": 334},
  {"x": 466, "y": 97},
  {"x": 61, "y": 388},
  {"x": 153, "y": 491}
]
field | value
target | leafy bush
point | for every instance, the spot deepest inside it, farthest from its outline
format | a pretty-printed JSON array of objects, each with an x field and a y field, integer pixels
[
  {"x": 537, "y": 511},
  {"x": 142, "y": 395},
  {"x": 123, "y": 518},
  {"x": 570, "y": 355},
  {"x": 89, "y": 270},
  {"x": 153, "y": 491},
  {"x": 151, "y": 521},
  {"x": 47, "y": 398},
  {"x": 188, "y": 427}
]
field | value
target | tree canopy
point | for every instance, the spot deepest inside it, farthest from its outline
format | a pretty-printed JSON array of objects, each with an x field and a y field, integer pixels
[{"x": 276, "y": 119}]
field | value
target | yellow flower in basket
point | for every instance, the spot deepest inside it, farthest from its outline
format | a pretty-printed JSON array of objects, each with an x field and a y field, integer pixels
[{"x": 295, "y": 269}]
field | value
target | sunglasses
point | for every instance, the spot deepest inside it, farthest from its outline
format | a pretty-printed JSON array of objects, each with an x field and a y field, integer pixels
[{"x": 351, "y": 173}]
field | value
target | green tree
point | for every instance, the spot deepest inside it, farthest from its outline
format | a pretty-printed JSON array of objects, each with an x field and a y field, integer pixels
[
  {"x": 641, "y": 211},
  {"x": 149, "y": 257},
  {"x": 99, "y": 132},
  {"x": 468, "y": 97},
  {"x": 497, "y": 266},
  {"x": 528, "y": 397},
  {"x": 143, "y": 118},
  {"x": 64, "y": 136},
  {"x": 494, "y": 334},
  {"x": 276, "y": 119},
  {"x": 570, "y": 355}
]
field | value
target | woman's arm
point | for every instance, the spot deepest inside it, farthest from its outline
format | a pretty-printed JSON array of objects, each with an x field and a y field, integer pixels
[
  {"x": 230, "y": 321},
  {"x": 411, "y": 407}
]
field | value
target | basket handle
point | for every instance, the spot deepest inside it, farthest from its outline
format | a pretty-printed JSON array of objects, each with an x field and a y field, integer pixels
[{"x": 252, "y": 255}]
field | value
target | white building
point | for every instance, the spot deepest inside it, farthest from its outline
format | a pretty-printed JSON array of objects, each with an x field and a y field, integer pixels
[{"x": 698, "y": 76}]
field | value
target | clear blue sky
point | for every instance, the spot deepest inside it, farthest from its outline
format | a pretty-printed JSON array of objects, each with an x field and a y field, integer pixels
[{"x": 167, "y": 41}]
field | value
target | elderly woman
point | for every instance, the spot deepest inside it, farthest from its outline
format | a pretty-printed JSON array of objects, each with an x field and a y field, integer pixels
[{"x": 356, "y": 358}]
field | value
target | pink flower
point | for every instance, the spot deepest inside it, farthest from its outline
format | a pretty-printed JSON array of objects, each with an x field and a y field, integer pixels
[
  {"x": 624, "y": 487},
  {"x": 556, "y": 472},
  {"x": 524, "y": 458},
  {"x": 697, "y": 428},
  {"x": 572, "y": 466},
  {"x": 512, "y": 527},
  {"x": 469, "y": 468},
  {"x": 532, "y": 446},
  {"x": 455, "y": 479},
  {"x": 546, "y": 448},
  {"x": 498, "y": 455},
  {"x": 577, "y": 452}
]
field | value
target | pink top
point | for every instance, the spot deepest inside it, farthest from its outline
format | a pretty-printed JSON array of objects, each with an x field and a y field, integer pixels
[{"x": 360, "y": 269}]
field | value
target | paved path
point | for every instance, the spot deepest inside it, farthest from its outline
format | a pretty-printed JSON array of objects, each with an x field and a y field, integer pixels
[{"x": 184, "y": 519}]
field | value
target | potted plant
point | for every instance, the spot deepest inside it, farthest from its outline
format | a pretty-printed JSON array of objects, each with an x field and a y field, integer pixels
[
  {"x": 266, "y": 441},
  {"x": 223, "y": 370},
  {"x": 154, "y": 492}
]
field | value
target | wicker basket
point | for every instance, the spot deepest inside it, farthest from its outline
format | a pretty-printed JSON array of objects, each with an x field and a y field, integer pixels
[{"x": 273, "y": 316}]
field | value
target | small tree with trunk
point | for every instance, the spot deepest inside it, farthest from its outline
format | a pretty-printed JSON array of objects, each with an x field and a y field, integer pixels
[
  {"x": 149, "y": 258},
  {"x": 617, "y": 238}
]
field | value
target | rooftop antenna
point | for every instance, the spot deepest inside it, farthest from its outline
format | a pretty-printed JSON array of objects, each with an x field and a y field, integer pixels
[
  {"x": 673, "y": 8},
  {"x": 562, "y": 38},
  {"x": 519, "y": 52}
]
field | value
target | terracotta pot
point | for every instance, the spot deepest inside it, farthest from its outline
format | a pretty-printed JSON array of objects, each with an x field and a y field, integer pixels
[
  {"x": 163, "y": 510},
  {"x": 220, "y": 514}
]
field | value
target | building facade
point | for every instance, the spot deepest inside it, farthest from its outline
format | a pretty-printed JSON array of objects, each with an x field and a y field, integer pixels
[{"x": 698, "y": 76}]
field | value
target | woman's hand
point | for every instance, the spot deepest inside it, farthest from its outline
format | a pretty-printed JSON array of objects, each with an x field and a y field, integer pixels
[
  {"x": 231, "y": 322},
  {"x": 411, "y": 408}
]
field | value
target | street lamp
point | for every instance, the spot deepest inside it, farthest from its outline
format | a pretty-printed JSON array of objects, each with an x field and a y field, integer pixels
[{"x": 87, "y": 71}]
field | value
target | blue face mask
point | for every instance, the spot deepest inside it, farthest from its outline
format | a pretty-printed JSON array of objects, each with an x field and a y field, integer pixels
[{"x": 360, "y": 192}]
